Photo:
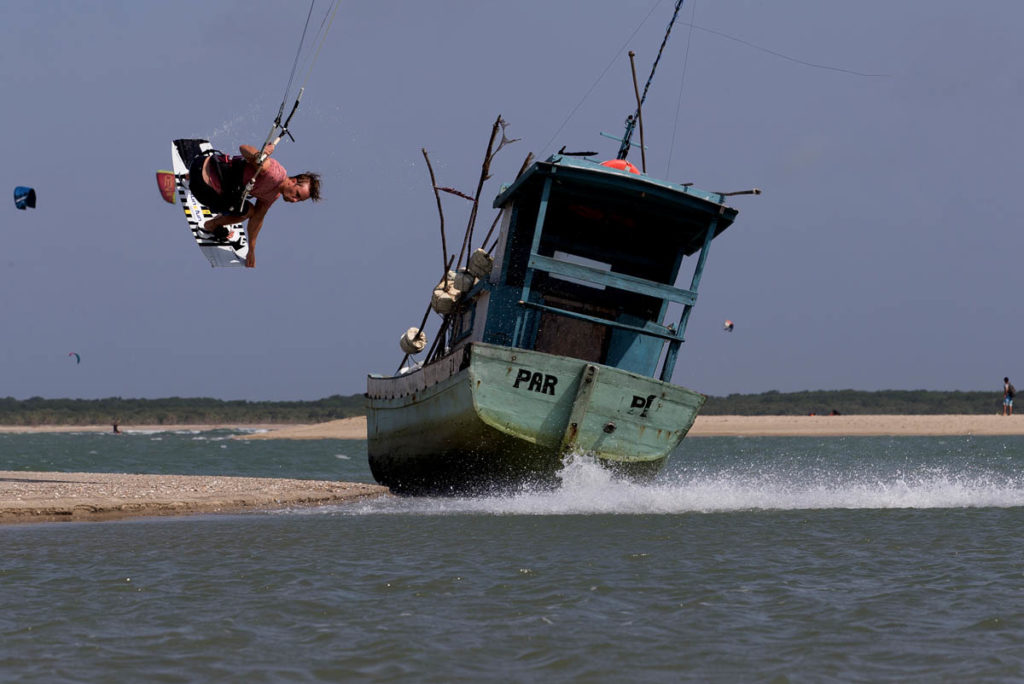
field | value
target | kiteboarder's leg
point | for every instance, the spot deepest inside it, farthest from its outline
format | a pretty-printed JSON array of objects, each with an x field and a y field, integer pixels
[
  {"x": 200, "y": 188},
  {"x": 198, "y": 185},
  {"x": 217, "y": 226}
]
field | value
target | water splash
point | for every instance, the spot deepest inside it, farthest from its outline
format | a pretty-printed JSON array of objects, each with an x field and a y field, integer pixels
[
  {"x": 241, "y": 129},
  {"x": 588, "y": 488}
]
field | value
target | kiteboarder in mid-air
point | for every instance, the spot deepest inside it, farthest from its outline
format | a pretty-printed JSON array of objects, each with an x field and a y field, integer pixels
[{"x": 222, "y": 183}]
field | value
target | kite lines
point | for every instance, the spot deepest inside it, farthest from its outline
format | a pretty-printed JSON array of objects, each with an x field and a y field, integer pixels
[{"x": 280, "y": 129}]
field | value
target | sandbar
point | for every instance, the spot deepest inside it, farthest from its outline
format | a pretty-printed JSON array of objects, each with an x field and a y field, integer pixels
[
  {"x": 129, "y": 428},
  {"x": 856, "y": 425},
  {"x": 50, "y": 496},
  {"x": 704, "y": 426},
  {"x": 750, "y": 426},
  {"x": 344, "y": 428}
]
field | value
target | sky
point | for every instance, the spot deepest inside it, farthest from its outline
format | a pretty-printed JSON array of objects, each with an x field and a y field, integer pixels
[{"x": 884, "y": 135}]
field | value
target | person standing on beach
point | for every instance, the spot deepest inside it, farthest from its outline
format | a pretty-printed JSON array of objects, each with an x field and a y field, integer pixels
[{"x": 1008, "y": 392}]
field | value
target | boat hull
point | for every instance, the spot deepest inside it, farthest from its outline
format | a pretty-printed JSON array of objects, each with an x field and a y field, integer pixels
[{"x": 490, "y": 418}]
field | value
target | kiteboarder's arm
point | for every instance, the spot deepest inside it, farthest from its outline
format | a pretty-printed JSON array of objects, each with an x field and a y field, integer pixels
[
  {"x": 253, "y": 228},
  {"x": 251, "y": 154}
]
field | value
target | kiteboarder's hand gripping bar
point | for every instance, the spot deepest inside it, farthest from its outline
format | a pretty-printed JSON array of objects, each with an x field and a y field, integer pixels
[{"x": 264, "y": 152}]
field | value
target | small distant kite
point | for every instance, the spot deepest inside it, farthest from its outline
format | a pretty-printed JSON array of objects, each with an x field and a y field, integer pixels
[
  {"x": 165, "y": 181},
  {"x": 727, "y": 326},
  {"x": 24, "y": 198},
  {"x": 78, "y": 359}
]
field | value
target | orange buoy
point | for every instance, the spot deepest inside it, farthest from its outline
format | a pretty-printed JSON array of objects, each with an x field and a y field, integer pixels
[{"x": 621, "y": 165}]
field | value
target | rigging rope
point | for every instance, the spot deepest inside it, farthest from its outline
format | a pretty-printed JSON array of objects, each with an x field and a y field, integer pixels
[
  {"x": 603, "y": 73},
  {"x": 631, "y": 120},
  {"x": 679, "y": 3},
  {"x": 682, "y": 82}
]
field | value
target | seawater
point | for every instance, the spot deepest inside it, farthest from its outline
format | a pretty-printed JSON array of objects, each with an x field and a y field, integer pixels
[{"x": 749, "y": 559}]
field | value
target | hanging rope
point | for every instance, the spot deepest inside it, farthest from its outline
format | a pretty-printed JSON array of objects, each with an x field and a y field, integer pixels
[
  {"x": 682, "y": 82},
  {"x": 601, "y": 77}
]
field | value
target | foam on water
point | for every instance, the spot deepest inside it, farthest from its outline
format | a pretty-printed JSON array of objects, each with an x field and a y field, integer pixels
[{"x": 587, "y": 488}]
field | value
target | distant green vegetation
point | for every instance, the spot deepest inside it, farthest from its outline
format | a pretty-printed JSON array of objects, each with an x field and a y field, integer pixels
[
  {"x": 175, "y": 411},
  {"x": 907, "y": 402},
  {"x": 180, "y": 411}
]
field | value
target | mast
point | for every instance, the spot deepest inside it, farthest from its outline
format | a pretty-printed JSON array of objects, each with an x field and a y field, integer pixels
[{"x": 632, "y": 119}]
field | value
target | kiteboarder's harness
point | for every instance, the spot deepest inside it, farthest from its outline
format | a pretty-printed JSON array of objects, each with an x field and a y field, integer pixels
[{"x": 231, "y": 172}]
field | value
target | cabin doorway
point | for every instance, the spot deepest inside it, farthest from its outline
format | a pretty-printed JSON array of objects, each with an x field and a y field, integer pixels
[{"x": 573, "y": 337}]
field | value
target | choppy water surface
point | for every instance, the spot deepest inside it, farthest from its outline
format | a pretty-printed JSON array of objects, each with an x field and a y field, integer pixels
[{"x": 767, "y": 559}]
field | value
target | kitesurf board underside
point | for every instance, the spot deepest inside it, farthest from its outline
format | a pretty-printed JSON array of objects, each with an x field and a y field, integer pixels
[{"x": 218, "y": 252}]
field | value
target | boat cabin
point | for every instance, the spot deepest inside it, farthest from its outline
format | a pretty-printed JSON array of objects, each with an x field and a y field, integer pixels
[{"x": 586, "y": 264}]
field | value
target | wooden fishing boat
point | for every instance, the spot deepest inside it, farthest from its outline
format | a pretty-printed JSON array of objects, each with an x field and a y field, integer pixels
[
  {"x": 563, "y": 347},
  {"x": 555, "y": 338}
]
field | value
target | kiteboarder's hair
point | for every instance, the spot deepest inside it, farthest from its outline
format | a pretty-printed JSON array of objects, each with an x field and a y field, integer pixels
[{"x": 313, "y": 181}]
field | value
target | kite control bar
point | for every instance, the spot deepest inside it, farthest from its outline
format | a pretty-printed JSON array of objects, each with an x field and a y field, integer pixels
[
  {"x": 284, "y": 127},
  {"x": 271, "y": 140}
]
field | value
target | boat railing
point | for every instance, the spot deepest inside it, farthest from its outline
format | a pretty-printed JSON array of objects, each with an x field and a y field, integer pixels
[
  {"x": 650, "y": 329},
  {"x": 621, "y": 281},
  {"x": 609, "y": 279}
]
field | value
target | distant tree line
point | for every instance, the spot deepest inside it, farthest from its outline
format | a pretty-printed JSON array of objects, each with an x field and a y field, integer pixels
[
  {"x": 175, "y": 411},
  {"x": 823, "y": 402},
  {"x": 181, "y": 411}
]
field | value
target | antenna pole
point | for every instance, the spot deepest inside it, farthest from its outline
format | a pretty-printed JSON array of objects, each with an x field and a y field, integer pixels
[
  {"x": 632, "y": 119},
  {"x": 639, "y": 116}
]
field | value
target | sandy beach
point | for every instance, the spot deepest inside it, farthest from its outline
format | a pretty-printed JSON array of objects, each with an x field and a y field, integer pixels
[
  {"x": 704, "y": 426},
  {"x": 128, "y": 428},
  {"x": 858, "y": 425},
  {"x": 748, "y": 426},
  {"x": 345, "y": 428},
  {"x": 40, "y": 497}
]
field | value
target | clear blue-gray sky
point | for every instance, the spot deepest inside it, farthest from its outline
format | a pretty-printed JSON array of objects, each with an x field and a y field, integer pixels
[{"x": 882, "y": 253}]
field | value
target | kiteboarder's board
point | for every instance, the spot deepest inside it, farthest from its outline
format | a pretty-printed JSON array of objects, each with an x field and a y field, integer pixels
[{"x": 218, "y": 252}]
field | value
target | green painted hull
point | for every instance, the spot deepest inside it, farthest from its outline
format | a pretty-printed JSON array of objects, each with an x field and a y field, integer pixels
[{"x": 488, "y": 417}]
